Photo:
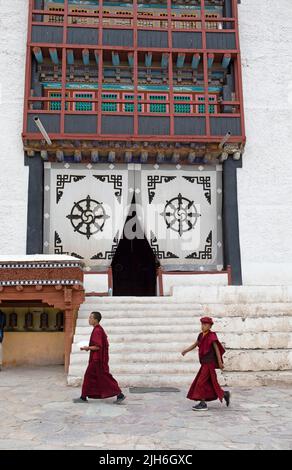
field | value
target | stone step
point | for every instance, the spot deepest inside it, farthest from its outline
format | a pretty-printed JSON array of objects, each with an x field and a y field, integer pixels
[
  {"x": 145, "y": 347},
  {"x": 176, "y": 311},
  {"x": 143, "y": 320},
  {"x": 132, "y": 300},
  {"x": 127, "y": 357},
  {"x": 247, "y": 310},
  {"x": 161, "y": 311},
  {"x": 233, "y": 340},
  {"x": 236, "y": 324},
  {"x": 134, "y": 368},
  {"x": 172, "y": 362},
  {"x": 230, "y": 379},
  {"x": 149, "y": 307},
  {"x": 143, "y": 338},
  {"x": 173, "y": 303},
  {"x": 139, "y": 320},
  {"x": 233, "y": 294},
  {"x": 211, "y": 294},
  {"x": 148, "y": 334},
  {"x": 230, "y": 340}
]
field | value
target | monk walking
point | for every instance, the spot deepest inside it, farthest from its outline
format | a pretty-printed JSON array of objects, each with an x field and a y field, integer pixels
[
  {"x": 98, "y": 382},
  {"x": 205, "y": 386}
]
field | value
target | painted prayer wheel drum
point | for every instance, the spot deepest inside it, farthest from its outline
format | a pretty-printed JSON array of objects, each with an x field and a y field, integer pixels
[
  {"x": 13, "y": 320},
  {"x": 59, "y": 321},
  {"x": 28, "y": 322},
  {"x": 44, "y": 321}
]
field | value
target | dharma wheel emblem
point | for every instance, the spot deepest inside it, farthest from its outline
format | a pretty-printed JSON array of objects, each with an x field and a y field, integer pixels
[
  {"x": 180, "y": 214},
  {"x": 88, "y": 217}
]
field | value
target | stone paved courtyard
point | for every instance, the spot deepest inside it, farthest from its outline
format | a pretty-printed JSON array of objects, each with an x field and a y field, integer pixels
[{"x": 37, "y": 412}]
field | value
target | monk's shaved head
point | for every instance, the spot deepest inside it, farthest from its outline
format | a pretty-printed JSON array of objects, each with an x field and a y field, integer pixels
[{"x": 97, "y": 316}]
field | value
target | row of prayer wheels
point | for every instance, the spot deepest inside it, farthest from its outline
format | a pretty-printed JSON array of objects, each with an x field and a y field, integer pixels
[{"x": 12, "y": 322}]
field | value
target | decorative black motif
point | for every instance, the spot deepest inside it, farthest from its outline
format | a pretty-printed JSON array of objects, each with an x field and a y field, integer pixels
[
  {"x": 88, "y": 217},
  {"x": 180, "y": 214},
  {"x": 77, "y": 256},
  {"x": 108, "y": 254},
  {"x": 65, "y": 179},
  {"x": 206, "y": 253},
  {"x": 58, "y": 248},
  {"x": 158, "y": 253},
  {"x": 153, "y": 181},
  {"x": 205, "y": 181},
  {"x": 116, "y": 180}
]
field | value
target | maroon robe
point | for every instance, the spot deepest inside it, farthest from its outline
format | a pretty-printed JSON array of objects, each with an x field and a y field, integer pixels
[
  {"x": 205, "y": 386},
  {"x": 98, "y": 382}
]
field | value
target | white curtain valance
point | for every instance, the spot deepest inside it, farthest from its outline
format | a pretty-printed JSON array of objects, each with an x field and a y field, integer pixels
[
  {"x": 180, "y": 212},
  {"x": 85, "y": 210}
]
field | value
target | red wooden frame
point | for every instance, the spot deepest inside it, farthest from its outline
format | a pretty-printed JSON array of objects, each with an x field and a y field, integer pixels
[
  {"x": 109, "y": 273},
  {"x": 159, "y": 277},
  {"x": 135, "y": 50},
  {"x": 160, "y": 272}
]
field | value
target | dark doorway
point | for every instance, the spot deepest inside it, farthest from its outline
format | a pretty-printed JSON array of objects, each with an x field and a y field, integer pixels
[{"x": 134, "y": 264}]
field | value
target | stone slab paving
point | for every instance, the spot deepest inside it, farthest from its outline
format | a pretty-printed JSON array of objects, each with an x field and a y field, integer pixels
[{"x": 37, "y": 412}]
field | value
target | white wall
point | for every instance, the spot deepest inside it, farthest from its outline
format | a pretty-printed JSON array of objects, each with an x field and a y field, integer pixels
[
  {"x": 13, "y": 174},
  {"x": 265, "y": 182},
  {"x": 96, "y": 283}
]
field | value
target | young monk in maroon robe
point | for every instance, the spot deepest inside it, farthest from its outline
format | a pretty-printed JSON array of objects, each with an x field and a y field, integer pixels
[
  {"x": 98, "y": 382},
  {"x": 205, "y": 386}
]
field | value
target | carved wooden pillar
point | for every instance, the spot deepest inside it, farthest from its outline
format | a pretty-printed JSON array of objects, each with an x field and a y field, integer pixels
[{"x": 69, "y": 331}]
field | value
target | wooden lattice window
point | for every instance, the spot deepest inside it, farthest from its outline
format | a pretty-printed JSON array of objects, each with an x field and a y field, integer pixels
[
  {"x": 56, "y": 105},
  {"x": 182, "y": 107},
  {"x": 83, "y": 105},
  {"x": 212, "y": 107},
  {"x": 108, "y": 106},
  {"x": 129, "y": 107},
  {"x": 158, "y": 107}
]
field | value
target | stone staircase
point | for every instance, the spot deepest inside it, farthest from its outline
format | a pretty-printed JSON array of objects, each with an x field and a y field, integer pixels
[{"x": 147, "y": 335}]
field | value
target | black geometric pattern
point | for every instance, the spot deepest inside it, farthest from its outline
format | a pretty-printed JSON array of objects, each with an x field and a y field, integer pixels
[
  {"x": 159, "y": 253},
  {"x": 153, "y": 181},
  {"x": 88, "y": 217},
  {"x": 204, "y": 254},
  {"x": 180, "y": 214},
  {"x": 108, "y": 254},
  {"x": 76, "y": 255},
  {"x": 205, "y": 181},
  {"x": 116, "y": 180},
  {"x": 65, "y": 179},
  {"x": 58, "y": 247}
]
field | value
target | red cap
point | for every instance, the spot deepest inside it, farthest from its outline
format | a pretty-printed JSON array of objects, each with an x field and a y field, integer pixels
[{"x": 207, "y": 320}]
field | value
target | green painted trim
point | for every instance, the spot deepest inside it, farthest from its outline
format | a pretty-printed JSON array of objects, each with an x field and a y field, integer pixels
[
  {"x": 93, "y": 86},
  {"x": 94, "y": 3}
]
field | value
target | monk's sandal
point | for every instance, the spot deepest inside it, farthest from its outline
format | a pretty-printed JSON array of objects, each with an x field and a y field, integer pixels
[
  {"x": 227, "y": 398},
  {"x": 120, "y": 398},
  {"x": 80, "y": 400},
  {"x": 202, "y": 406}
]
